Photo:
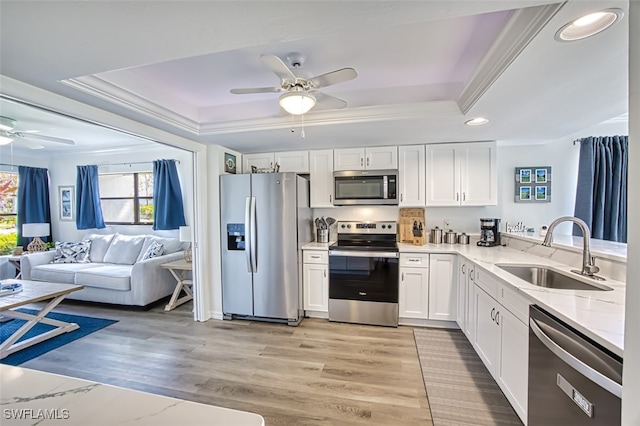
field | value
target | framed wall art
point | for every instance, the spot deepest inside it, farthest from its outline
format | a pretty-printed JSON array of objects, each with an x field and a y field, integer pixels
[
  {"x": 229, "y": 163},
  {"x": 533, "y": 184},
  {"x": 66, "y": 194}
]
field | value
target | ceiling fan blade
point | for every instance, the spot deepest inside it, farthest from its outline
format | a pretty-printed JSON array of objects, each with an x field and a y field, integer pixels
[
  {"x": 333, "y": 77},
  {"x": 29, "y": 144},
  {"x": 328, "y": 101},
  {"x": 279, "y": 67},
  {"x": 256, "y": 90},
  {"x": 45, "y": 138}
]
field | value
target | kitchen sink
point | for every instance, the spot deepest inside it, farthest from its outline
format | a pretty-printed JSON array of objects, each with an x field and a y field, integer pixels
[{"x": 543, "y": 276}]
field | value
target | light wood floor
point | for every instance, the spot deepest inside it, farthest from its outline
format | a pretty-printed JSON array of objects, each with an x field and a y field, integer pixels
[{"x": 318, "y": 373}]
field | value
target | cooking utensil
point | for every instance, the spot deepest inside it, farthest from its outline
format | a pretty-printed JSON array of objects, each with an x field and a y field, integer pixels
[
  {"x": 436, "y": 235},
  {"x": 323, "y": 223},
  {"x": 450, "y": 237},
  {"x": 318, "y": 223},
  {"x": 330, "y": 221},
  {"x": 463, "y": 238}
]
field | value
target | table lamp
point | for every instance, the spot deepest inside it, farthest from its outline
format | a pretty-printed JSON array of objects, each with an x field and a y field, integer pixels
[
  {"x": 35, "y": 230},
  {"x": 185, "y": 236}
]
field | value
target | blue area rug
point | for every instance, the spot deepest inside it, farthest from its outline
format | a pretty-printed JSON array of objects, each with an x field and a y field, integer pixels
[{"x": 87, "y": 326}]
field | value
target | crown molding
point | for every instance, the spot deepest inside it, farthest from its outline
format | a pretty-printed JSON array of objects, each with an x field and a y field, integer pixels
[
  {"x": 523, "y": 27},
  {"x": 103, "y": 89},
  {"x": 434, "y": 111}
]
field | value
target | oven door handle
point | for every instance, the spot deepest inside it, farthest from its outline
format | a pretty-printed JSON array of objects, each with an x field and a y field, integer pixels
[{"x": 364, "y": 253}]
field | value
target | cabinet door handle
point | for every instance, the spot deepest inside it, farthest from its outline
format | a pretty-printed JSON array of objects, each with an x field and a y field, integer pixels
[
  {"x": 498, "y": 317},
  {"x": 325, "y": 273},
  {"x": 361, "y": 161},
  {"x": 464, "y": 196},
  {"x": 414, "y": 260},
  {"x": 471, "y": 274},
  {"x": 403, "y": 276},
  {"x": 457, "y": 196},
  {"x": 368, "y": 161},
  {"x": 315, "y": 256},
  {"x": 463, "y": 266},
  {"x": 493, "y": 314},
  {"x": 331, "y": 198},
  {"x": 401, "y": 197}
]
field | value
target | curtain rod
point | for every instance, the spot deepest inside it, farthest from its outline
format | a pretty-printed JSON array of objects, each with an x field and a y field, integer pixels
[
  {"x": 577, "y": 141},
  {"x": 10, "y": 165},
  {"x": 130, "y": 163}
]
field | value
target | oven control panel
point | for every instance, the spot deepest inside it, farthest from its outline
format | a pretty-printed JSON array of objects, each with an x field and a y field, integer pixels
[{"x": 386, "y": 227}]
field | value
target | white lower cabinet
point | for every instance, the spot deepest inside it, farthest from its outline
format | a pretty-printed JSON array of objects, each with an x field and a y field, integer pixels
[
  {"x": 315, "y": 279},
  {"x": 413, "y": 291},
  {"x": 464, "y": 311},
  {"x": 442, "y": 287},
  {"x": 413, "y": 296},
  {"x": 501, "y": 341}
]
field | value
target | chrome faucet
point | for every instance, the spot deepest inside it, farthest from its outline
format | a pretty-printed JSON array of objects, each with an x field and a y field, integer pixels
[{"x": 589, "y": 267}]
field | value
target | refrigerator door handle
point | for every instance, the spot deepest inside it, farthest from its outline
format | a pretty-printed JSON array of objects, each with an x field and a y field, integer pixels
[
  {"x": 254, "y": 236},
  {"x": 247, "y": 233}
]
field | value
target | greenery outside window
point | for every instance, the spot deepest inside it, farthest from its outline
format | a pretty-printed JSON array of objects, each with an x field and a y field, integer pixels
[
  {"x": 127, "y": 198},
  {"x": 8, "y": 216}
]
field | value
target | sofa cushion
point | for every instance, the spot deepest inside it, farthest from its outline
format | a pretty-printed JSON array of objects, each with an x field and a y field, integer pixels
[
  {"x": 154, "y": 250},
  {"x": 59, "y": 272},
  {"x": 72, "y": 252},
  {"x": 99, "y": 245},
  {"x": 124, "y": 249},
  {"x": 108, "y": 276},
  {"x": 170, "y": 245}
]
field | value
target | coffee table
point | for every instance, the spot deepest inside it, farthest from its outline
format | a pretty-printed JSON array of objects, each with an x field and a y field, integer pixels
[{"x": 34, "y": 291}]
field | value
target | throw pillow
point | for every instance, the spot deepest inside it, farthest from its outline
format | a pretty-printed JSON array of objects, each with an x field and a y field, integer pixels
[
  {"x": 124, "y": 249},
  {"x": 72, "y": 252},
  {"x": 154, "y": 250},
  {"x": 99, "y": 245}
]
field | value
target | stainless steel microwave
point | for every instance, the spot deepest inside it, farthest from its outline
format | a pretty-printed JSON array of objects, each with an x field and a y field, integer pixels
[{"x": 365, "y": 187}]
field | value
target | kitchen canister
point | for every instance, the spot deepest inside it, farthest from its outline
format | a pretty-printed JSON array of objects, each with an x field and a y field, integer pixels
[
  {"x": 436, "y": 235},
  {"x": 463, "y": 238},
  {"x": 450, "y": 237}
]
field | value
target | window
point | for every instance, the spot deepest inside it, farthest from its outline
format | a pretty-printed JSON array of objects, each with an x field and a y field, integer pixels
[
  {"x": 127, "y": 198},
  {"x": 8, "y": 206}
]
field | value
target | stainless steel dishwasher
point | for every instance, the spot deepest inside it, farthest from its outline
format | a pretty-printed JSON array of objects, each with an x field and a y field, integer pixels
[{"x": 572, "y": 379}]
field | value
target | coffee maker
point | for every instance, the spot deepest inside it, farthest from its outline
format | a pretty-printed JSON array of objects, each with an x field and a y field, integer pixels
[{"x": 489, "y": 232}]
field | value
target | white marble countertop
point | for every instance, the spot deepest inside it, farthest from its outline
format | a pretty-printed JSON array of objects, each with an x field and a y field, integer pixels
[
  {"x": 597, "y": 314},
  {"x": 317, "y": 246},
  {"x": 29, "y": 397}
]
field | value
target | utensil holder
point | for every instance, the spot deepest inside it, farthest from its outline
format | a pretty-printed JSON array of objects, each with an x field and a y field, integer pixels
[{"x": 322, "y": 236}]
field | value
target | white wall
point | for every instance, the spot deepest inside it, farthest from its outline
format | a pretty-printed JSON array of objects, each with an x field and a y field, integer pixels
[{"x": 62, "y": 171}]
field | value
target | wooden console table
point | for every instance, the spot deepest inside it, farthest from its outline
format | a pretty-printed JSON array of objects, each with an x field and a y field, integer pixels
[{"x": 179, "y": 269}]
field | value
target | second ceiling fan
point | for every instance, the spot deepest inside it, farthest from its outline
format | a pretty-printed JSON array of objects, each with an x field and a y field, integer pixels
[{"x": 300, "y": 92}]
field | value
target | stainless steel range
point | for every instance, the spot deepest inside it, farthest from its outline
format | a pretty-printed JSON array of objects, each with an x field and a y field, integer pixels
[{"x": 363, "y": 274}]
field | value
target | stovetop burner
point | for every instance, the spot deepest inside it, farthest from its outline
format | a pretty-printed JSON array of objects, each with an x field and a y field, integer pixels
[{"x": 366, "y": 236}]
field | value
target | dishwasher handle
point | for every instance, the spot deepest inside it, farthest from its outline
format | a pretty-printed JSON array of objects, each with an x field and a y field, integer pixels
[{"x": 582, "y": 368}]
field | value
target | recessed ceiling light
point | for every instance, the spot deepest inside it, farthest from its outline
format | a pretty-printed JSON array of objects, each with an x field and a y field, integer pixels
[
  {"x": 478, "y": 121},
  {"x": 589, "y": 25}
]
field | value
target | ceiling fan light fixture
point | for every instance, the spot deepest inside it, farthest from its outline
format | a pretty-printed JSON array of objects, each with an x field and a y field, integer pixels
[
  {"x": 589, "y": 25},
  {"x": 297, "y": 103},
  {"x": 4, "y": 140},
  {"x": 7, "y": 124},
  {"x": 478, "y": 121}
]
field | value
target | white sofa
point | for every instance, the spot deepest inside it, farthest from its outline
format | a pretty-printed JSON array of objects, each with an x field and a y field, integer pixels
[{"x": 114, "y": 271}]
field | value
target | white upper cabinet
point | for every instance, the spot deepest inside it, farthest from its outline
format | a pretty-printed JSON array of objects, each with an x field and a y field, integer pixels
[
  {"x": 321, "y": 176},
  {"x": 376, "y": 158},
  {"x": 479, "y": 174},
  {"x": 261, "y": 161},
  {"x": 293, "y": 161},
  {"x": 411, "y": 176},
  {"x": 462, "y": 174}
]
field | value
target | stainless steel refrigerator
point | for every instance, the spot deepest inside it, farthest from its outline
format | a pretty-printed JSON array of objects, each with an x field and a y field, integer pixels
[{"x": 265, "y": 220}]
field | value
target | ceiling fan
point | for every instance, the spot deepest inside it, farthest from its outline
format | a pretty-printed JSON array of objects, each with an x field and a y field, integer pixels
[
  {"x": 300, "y": 91},
  {"x": 9, "y": 134}
]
